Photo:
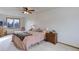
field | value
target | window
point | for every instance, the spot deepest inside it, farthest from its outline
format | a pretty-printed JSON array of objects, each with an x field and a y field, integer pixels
[
  {"x": 1, "y": 23},
  {"x": 13, "y": 22}
]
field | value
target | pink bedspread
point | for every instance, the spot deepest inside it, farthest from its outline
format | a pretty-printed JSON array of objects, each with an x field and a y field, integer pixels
[{"x": 35, "y": 38}]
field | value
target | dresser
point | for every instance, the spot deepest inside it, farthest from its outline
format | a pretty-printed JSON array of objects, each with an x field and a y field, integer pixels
[
  {"x": 51, "y": 37},
  {"x": 3, "y": 32}
]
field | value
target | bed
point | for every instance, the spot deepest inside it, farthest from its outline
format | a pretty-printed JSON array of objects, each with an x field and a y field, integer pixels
[{"x": 28, "y": 40}]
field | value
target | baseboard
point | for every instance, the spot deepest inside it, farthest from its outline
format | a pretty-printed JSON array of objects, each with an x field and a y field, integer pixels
[{"x": 69, "y": 45}]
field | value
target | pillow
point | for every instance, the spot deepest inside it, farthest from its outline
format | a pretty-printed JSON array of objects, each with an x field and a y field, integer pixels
[{"x": 39, "y": 30}]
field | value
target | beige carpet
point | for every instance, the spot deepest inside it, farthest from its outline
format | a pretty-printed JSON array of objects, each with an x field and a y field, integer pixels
[
  {"x": 46, "y": 46},
  {"x": 7, "y": 45}
]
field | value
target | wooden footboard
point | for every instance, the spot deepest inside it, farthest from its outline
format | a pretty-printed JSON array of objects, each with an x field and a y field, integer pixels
[{"x": 18, "y": 43}]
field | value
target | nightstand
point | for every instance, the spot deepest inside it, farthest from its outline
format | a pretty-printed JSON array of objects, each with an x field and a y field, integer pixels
[{"x": 51, "y": 37}]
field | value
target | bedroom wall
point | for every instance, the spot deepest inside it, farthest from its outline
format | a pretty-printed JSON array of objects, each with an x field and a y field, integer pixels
[
  {"x": 64, "y": 20},
  {"x": 29, "y": 21}
]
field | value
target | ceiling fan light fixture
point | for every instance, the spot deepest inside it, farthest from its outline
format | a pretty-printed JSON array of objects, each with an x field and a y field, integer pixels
[{"x": 25, "y": 12}]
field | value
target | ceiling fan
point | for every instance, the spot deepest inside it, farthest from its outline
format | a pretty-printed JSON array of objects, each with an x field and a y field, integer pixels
[{"x": 27, "y": 10}]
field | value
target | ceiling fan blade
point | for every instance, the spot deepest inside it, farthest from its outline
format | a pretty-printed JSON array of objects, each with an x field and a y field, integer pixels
[
  {"x": 25, "y": 8},
  {"x": 31, "y": 10},
  {"x": 22, "y": 11}
]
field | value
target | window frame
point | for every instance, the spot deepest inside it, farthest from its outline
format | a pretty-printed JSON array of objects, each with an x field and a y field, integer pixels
[{"x": 13, "y": 27}]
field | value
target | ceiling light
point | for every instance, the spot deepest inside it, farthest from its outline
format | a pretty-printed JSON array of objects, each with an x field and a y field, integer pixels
[{"x": 25, "y": 12}]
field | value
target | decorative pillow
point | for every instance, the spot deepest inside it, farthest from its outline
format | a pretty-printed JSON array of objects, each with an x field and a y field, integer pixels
[{"x": 39, "y": 30}]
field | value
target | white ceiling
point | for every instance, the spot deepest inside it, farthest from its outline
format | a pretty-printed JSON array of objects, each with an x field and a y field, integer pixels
[
  {"x": 16, "y": 11},
  {"x": 13, "y": 11},
  {"x": 41, "y": 9}
]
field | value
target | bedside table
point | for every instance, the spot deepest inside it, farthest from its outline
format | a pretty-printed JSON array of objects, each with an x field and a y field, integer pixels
[{"x": 51, "y": 37}]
